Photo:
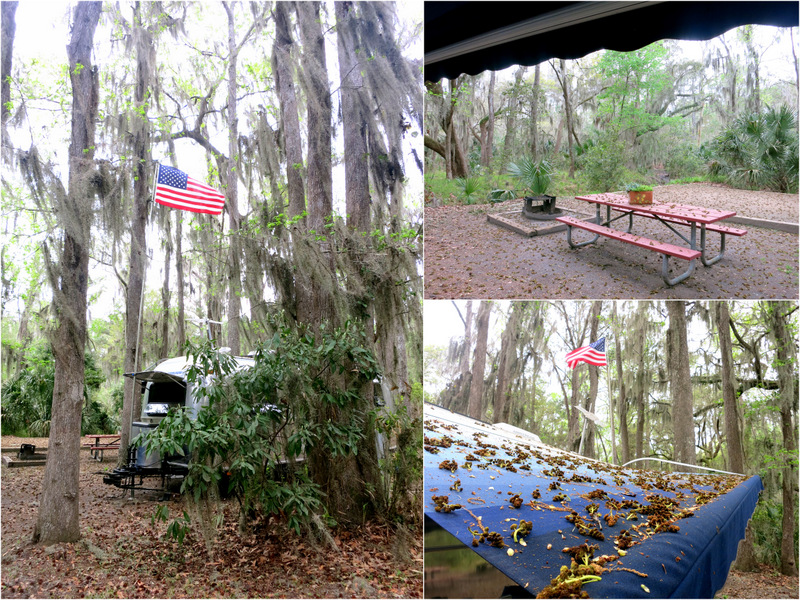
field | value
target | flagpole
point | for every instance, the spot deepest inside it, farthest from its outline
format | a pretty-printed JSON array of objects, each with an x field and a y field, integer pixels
[{"x": 611, "y": 412}]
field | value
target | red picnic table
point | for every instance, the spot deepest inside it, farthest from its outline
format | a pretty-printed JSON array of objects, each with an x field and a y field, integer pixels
[
  {"x": 102, "y": 441},
  {"x": 666, "y": 213}
]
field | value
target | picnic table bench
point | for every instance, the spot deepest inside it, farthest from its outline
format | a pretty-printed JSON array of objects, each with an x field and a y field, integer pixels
[
  {"x": 105, "y": 441},
  {"x": 666, "y": 213}
]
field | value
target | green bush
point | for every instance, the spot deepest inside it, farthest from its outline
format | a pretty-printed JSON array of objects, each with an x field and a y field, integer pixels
[
  {"x": 603, "y": 164},
  {"x": 303, "y": 395},
  {"x": 759, "y": 151},
  {"x": 28, "y": 397}
]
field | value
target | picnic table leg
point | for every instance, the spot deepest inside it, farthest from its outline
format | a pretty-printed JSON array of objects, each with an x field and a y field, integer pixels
[
  {"x": 579, "y": 244},
  {"x": 710, "y": 261},
  {"x": 630, "y": 222},
  {"x": 679, "y": 278}
]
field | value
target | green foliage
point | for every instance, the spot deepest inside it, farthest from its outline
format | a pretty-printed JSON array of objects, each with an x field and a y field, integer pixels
[
  {"x": 179, "y": 527},
  {"x": 27, "y": 397},
  {"x": 454, "y": 191},
  {"x": 402, "y": 469},
  {"x": 634, "y": 80},
  {"x": 302, "y": 395},
  {"x": 759, "y": 151},
  {"x": 533, "y": 176},
  {"x": 468, "y": 187},
  {"x": 767, "y": 525},
  {"x": 638, "y": 187},
  {"x": 603, "y": 164}
]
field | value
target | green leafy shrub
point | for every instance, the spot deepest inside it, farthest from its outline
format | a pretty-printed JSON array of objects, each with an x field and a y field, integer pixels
[
  {"x": 27, "y": 398},
  {"x": 303, "y": 395},
  {"x": 533, "y": 176},
  {"x": 603, "y": 164},
  {"x": 759, "y": 151},
  {"x": 468, "y": 187}
]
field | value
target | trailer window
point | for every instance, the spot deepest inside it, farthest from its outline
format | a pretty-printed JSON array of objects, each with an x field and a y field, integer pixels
[{"x": 161, "y": 397}]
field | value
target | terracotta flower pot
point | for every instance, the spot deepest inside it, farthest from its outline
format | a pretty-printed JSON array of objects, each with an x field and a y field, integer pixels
[{"x": 640, "y": 197}]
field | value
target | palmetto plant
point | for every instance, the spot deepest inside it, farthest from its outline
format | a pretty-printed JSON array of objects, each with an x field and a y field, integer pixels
[
  {"x": 469, "y": 186},
  {"x": 759, "y": 151},
  {"x": 533, "y": 176}
]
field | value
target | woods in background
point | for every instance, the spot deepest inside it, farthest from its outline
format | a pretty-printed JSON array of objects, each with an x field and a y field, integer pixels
[
  {"x": 722, "y": 110},
  {"x": 706, "y": 383}
]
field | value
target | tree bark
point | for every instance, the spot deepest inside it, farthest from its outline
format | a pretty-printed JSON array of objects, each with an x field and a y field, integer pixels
[
  {"x": 181, "y": 331},
  {"x": 733, "y": 431},
  {"x": 622, "y": 403},
  {"x": 680, "y": 384},
  {"x": 165, "y": 293},
  {"x": 320, "y": 183},
  {"x": 58, "y": 517},
  {"x": 535, "y": 113},
  {"x": 354, "y": 116},
  {"x": 508, "y": 348},
  {"x": 475, "y": 408},
  {"x": 138, "y": 257},
  {"x": 232, "y": 191},
  {"x": 564, "y": 81},
  {"x": 292, "y": 141},
  {"x": 9, "y": 28},
  {"x": 591, "y": 400},
  {"x": 509, "y": 141},
  {"x": 486, "y": 148},
  {"x": 786, "y": 362}
]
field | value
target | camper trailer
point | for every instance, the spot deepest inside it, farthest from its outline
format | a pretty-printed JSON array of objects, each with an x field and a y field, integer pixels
[{"x": 165, "y": 387}]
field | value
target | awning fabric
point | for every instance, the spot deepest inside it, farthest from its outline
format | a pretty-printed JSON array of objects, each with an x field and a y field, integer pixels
[
  {"x": 692, "y": 562},
  {"x": 472, "y": 37}
]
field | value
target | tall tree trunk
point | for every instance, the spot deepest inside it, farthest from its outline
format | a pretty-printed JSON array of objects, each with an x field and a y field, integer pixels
[
  {"x": 509, "y": 141},
  {"x": 786, "y": 364},
  {"x": 58, "y": 517},
  {"x": 165, "y": 293},
  {"x": 9, "y": 27},
  {"x": 133, "y": 298},
  {"x": 564, "y": 81},
  {"x": 181, "y": 331},
  {"x": 320, "y": 195},
  {"x": 475, "y": 409},
  {"x": 591, "y": 400},
  {"x": 622, "y": 402},
  {"x": 354, "y": 116},
  {"x": 680, "y": 384},
  {"x": 486, "y": 149},
  {"x": 232, "y": 192},
  {"x": 535, "y": 113},
  {"x": 508, "y": 348},
  {"x": 458, "y": 165},
  {"x": 292, "y": 141},
  {"x": 733, "y": 428}
]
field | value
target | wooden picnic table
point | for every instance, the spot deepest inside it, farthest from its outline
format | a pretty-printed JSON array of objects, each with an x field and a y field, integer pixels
[
  {"x": 102, "y": 441},
  {"x": 668, "y": 214}
]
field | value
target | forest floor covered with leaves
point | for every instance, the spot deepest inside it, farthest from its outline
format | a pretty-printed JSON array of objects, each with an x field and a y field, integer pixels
[
  {"x": 468, "y": 257},
  {"x": 764, "y": 583},
  {"x": 125, "y": 554}
]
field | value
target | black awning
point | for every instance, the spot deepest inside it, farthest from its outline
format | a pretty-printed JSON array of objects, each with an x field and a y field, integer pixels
[
  {"x": 472, "y": 37},
  {"x": 157, "y": 377}
]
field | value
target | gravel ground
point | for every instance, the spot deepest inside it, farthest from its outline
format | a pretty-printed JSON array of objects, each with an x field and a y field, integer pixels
[{"x": 467, "y": 257}]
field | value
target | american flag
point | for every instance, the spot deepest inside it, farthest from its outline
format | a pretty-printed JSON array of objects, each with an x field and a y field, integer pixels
[
  {"x": 594, "y": 354},
  {"x": 176, "y": 189}
]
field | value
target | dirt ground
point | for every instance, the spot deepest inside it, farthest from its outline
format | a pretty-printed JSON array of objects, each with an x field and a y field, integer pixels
[
  {"x": 124, "y": 554},
  {"x": 468, "y": 257},
  {"x": 764, "y": 583}
]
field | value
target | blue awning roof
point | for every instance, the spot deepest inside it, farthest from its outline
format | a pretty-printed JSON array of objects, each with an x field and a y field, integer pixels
[{"x": 487, "y": 470}]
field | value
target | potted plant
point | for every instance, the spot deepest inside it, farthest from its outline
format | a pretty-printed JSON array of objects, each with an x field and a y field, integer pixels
[
  {"x": 639, "y": 194},
  {"x": 534, "y": 177}
]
